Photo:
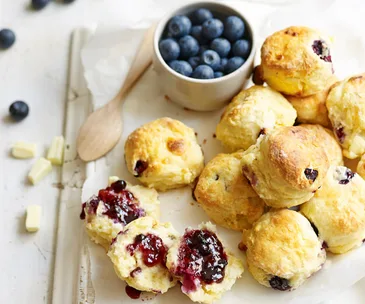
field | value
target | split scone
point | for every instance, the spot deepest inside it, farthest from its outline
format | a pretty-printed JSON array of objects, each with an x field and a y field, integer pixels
[
  {"x": 139, "y": 253},
  {"x": 286, "y": 166},
  {"x": 225, "y": 194},
  {"x": 283, "y": 250},
  {"x": 337, "y": 210},
  {"x": 204, "y": 267},
  {"x": 296, "y": 61},
  {"x": 114, "y": 207},
  {"x": 164, "y": 154},
  {"x": 346, "y": 109},
  {"x": 253, "y": 112}
]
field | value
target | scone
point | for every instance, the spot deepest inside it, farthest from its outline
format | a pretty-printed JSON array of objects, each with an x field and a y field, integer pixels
[
  {"x": 252, "y": 112},
  {"x": 164, "y": 154},
  {"x": 286, "y": 166},
  {"x": 361, "y": 167},
  {"x": 296, "y": 61},
  {"x": 139, "y": 253},
  {"x": 329, "y": 143},
  {"x": 337, "y": 210},
  {"x": 225, "y": 194},
  {"x": 346, "y": 109},
  {"x": 283, "y": 250},
  {"x": 204, "y": 267},
  {"x": 114, "y": 207}
]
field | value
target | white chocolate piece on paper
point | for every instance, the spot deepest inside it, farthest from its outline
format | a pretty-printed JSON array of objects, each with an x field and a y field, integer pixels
[
  {"x": 56, "y": 151},
  {"x": 39, "y": 170},
  {"x": 24, "y": 150},
  {"x": 33, "y": 221}
]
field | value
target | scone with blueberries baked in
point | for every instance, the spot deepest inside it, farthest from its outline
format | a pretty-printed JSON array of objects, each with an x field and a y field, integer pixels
[
  {"x": 225, "y": 194},
  {"x": 346, "y": 109},
  {"x": 164, "y": 154},
  {"x": 296, "y": 61},
  {"x": 283, "y": 250},
  {"x": 205, "y": 268},
  {"x": 114, "y": 207},
  {"x": 252, "y": 112},
  {"x": 337, "y": 210},
  {"x": 286, "y": 166}
]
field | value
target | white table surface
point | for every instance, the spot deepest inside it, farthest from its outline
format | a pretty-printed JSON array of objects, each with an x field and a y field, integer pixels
[{"x": 35, "y": 70}]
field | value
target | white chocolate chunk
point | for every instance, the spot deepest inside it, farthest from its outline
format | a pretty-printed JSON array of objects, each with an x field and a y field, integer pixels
[
  {"x": 112, "y": 179},
  {"x": 56, "y": 151},
  {"x": 24, "y": 150},
  {"x": 39, "y": 170},
  {"x": 33, "y": 220}
]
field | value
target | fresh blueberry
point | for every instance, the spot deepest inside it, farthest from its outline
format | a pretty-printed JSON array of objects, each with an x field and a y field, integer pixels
[
  {"x": 196, "y": 32},
  {"x": 39, "y": 4},
  {"x": 201, "y": 15},
  {"x": 212, "y": 28},
  {"x": 19, "y": 110},
  {"x": 210, "y": 58},
  {"x": 241, "y": 48},
  {"x": 203, "y": 48},
  {"x": 182, "y": 67},
  {"x": 169, "y": 49},
  {"x": 222, "y": 65},
  {"x": 218, "y": 74},
  {"x": 221, "y": 46},
  {"x": 179, "y": 26},
  {"x": 194, "y": 61},
  {"x": 234, "y": 28},
  {"x": 203, "y": 72},
  {"x": 189, "y": 47},
  {"x": 233, "y": 64},
  {"x": 7, "y": 38}
]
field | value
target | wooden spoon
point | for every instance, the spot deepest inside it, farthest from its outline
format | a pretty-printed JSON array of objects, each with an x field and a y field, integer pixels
[{"x": 103, "y": 128}]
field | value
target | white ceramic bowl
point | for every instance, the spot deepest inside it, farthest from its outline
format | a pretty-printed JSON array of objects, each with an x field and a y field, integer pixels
[{"x": 196, "y": 94}]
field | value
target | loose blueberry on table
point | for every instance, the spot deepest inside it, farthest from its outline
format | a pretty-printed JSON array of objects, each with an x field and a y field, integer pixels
[
  {"x": 18, "y": 110},
  {"x": 7, "y": 38}
]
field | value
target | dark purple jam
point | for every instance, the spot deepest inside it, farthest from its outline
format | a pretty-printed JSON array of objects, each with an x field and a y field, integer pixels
[
  {"x": 311, "y": 174},
  {"x": 340, "y": 134},
  {"x": 140, "y": 167},
  {"x": 279, "y": 283},
  {"x": 201, "y": 257},
  {"x": 152, "y": 248},
  {"x": 321, "y": 49},
  {"x": 349, "y": 176},
  {"x": 132, "y": 293}
]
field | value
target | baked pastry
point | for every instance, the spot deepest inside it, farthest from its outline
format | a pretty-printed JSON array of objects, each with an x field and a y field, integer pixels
[
  {"x": 252, "y": 112},
  {"x": 204, "y": 267},
  {"x": 286, "y": 166},
  {"x": 328, "y": 141},
  {"x": 164, "y": 154},
  {"x": 114, "y": 207},
  {"x": 337, "y": 210},
  {"x": 225, "y": 194},
  {"x": 346, "y": 109},
  {"x": 139, "y": 255},
  {"x": 296, "y": 61},
  {"x": 360, "y": 169},
  {"x": 283, "y": 250}
]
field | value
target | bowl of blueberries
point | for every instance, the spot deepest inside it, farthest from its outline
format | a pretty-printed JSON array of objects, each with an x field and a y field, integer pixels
[{"x": 203, "y": 54}]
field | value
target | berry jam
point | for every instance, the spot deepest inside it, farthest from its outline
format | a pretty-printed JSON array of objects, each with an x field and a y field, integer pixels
[
  {"x": 311, "y": 174},
  {"x": 279, "y": 283},
  {"x": 321, "y": 49},
  {"x": 120, "y": 204},
  {"x": 340, "y": 134},
  {"x": 349, "y": 176},
  {"x": 202, "y": 258},
  {"x": 140, "y": 167},
  {"x": 152, "y": 248},
  {"x": 132, "y": 293}
]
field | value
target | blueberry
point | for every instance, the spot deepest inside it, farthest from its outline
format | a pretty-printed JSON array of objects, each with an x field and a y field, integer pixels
[
  {"x": 212, "y": 28},
  {"x": 19, "y": 110},
  {"x": 221, "y": 46},
  {"x": 241, "y": 48},
  {"x": 179, "y": 26},
  {"x": 169, "y": 49},
  {"x": 182, "y": 67},
  {"x": 201, "y": 15},
  {"x": 210, "y": 58},
  {"x": 189, "y": 47},
  {"x": 7, "y": 38},
  {"x": 203, "y": 72},
  {"x": 203, "y": 48},
  {"x": 39, "y": 4},
  {"x": 234, "y": 28},
  {"x": 233, "y": 64},
  {"x": 218, "y": 74},
  {"x": 194, "y": 61},
  {"x": 196, "y": 32},
  {"x": 222, "y": 65},
  {"x": 279, "y": 283}
]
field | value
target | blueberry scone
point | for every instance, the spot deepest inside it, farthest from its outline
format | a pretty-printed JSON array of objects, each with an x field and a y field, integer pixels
[
  {"x": 337, "y": 210},
  {"x": 346, "y": 109},
  {"x": 283, "y": 250},
  {"x": 225, "y": 194},
  {"x": 296, "y": 61},
  {"x": 164, "y": 154},
  {"x": 114, "y": 207},
  {"x": 139, "y": 253},
  {"x": 251, "y": 113},
  {"x": 286, "y": 166},
  {"x": 204, "y": 267}
]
